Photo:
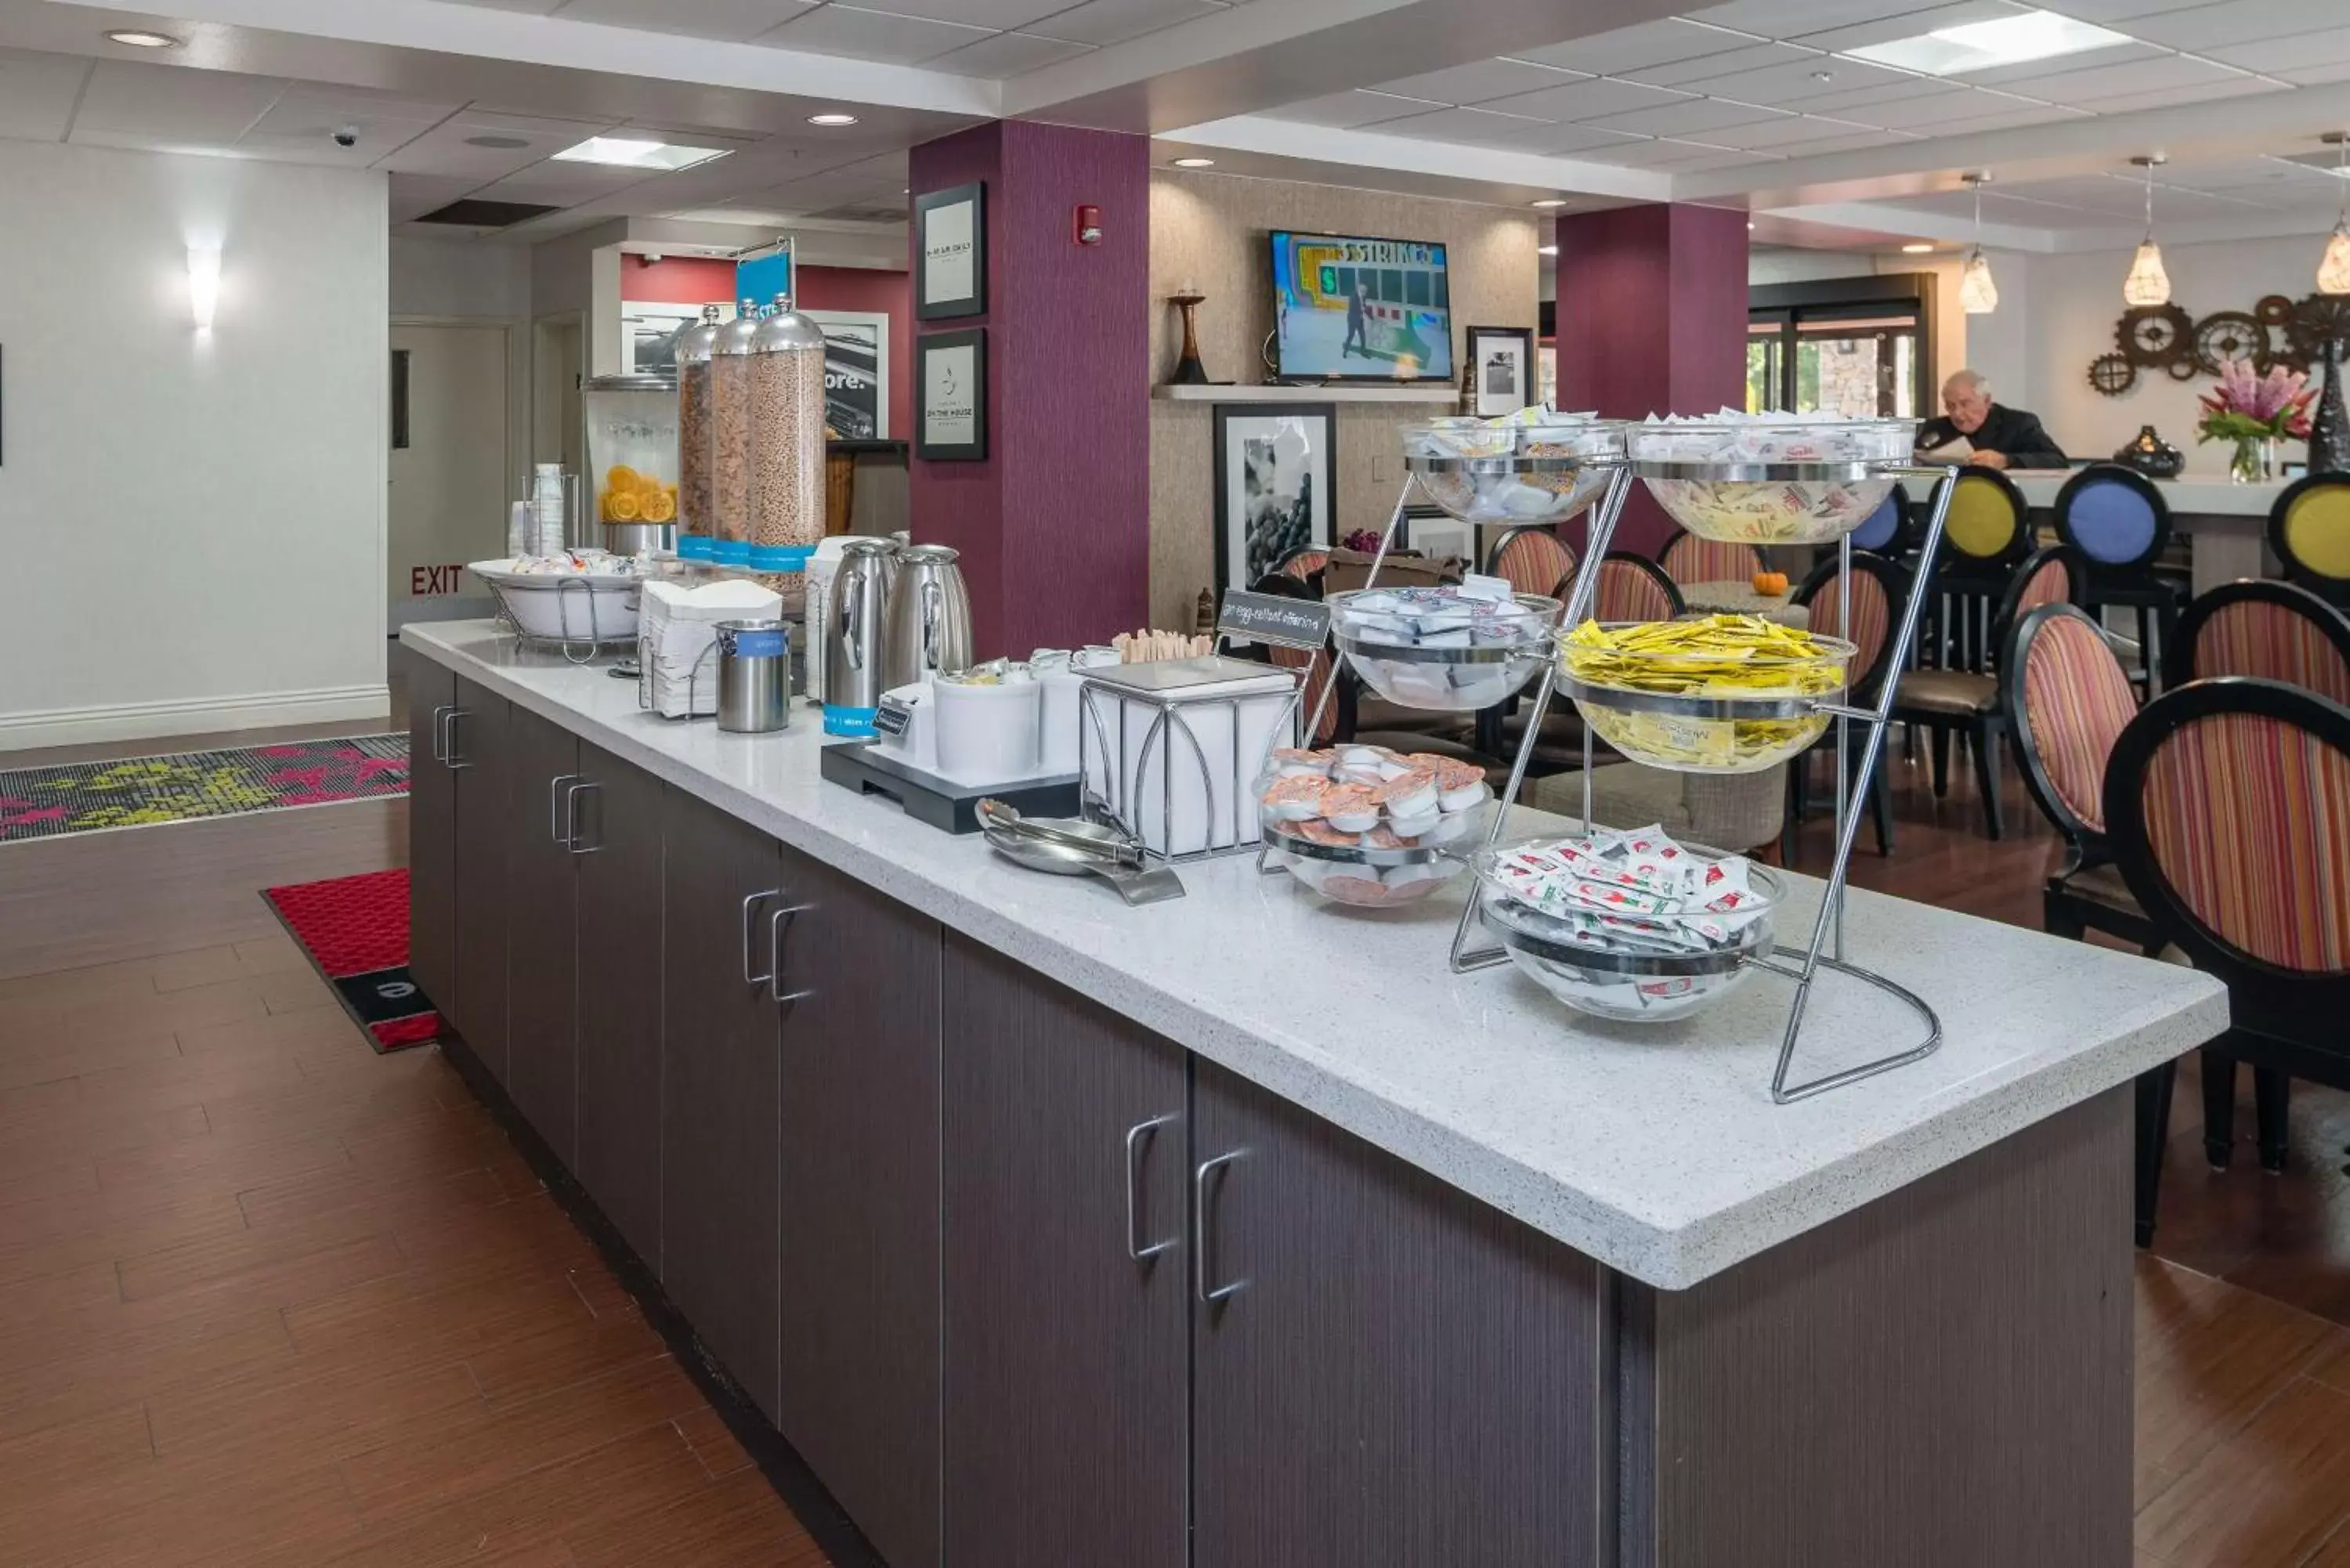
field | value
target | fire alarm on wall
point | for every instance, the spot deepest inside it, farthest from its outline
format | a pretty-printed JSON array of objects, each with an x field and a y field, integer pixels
[{"x": 1086, "y": 227}]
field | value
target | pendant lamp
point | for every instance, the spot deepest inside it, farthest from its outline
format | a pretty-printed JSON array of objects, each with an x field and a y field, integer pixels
[
  {"x": 2148, "y": 283},
  {"x": 2334, "y": 271},
  {"x": 1977, "y": 295}
]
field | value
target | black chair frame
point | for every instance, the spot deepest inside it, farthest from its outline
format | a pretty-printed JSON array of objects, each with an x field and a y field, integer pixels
[{"x": 2179, "y": 667}]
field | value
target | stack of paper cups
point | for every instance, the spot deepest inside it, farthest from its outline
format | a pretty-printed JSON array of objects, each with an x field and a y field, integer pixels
[
  {"x": 521, "y": 530},
  {"x": 546, "y": 510}
]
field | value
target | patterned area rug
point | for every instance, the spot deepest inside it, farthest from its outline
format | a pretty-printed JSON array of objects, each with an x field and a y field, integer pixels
[
  {"x": 141, "y": 791},
  {"x": 355, "y": 928}
]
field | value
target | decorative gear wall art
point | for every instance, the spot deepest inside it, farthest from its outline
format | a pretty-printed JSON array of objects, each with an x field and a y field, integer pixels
[
  {"x": 2226, "y": 334},
  {"x": 2165, "y": 338},
  {"x": 2112, "y": 374}
]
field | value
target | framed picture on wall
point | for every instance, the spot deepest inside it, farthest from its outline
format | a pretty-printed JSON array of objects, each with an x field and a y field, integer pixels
[
  {"x": 1501, "y": 369},
  {"x": 951, "y": 384},
  {"x": 856, "y": 372},
  {"x": 951, "y": 253},
  {"x": 1276, "y": 484}
]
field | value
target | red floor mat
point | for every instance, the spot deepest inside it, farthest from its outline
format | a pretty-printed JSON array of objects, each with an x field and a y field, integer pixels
[{"x": 354, "y": 929}]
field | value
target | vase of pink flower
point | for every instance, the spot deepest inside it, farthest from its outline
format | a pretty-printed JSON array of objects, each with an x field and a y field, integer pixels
[{"x": 2255, "y": 413}]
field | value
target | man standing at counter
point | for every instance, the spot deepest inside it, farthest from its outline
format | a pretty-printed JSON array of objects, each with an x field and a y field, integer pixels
[{"x": 1999, "y": 437}]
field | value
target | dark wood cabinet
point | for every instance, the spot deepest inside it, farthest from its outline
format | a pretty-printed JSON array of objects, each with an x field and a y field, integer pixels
[
  {"x": 860, "y": 1346},
  {"x": 1386, "y": 1373},
  {"x": 542, "y": 910},
  {"x": 619, "y": 992},
  {"x": 1066, "y": 1412},
  {"x": 432, "y": 837},
  {"x": 722, "y": 1090},
  {"x": 477, "y": 741}
]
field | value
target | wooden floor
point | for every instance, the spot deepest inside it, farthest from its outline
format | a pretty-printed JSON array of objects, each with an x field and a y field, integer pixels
[{"x": 268, "y": 1299}]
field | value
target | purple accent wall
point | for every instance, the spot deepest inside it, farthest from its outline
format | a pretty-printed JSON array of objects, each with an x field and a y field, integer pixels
[
  {"x": 1055, "y": 526},
  {"x": 1651, "y": 319}
]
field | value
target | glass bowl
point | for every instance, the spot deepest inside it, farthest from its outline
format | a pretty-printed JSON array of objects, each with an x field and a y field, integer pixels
[
  {"x": 1591, "y": 974},
  {"x": 1755, "y": 482},
  {"x": 1515, "y": 474},
  {"x": 1412, "y": 648},
  {"x": 1360, "y": 859},
  {"x": 1660, "y": 709}
]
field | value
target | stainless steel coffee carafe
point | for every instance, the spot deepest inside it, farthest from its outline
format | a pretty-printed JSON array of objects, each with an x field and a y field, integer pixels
[
  {"x": 854, "y": 619},
  {"x": 928, "y": 627}
]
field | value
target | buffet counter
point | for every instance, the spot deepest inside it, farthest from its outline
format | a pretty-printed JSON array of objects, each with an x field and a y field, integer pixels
[
  {"x": 2227, "y": 522},
  {"x": 1893, "y": 1320}
]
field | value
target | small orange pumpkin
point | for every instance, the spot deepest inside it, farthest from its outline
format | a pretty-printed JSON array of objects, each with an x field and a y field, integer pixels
[{"x": 1770, "y": 584}]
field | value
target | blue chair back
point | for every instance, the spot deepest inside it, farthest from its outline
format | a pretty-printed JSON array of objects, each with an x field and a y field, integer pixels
[
  {"x": 1884, "y": 529},
  {"x": 2113, "y": 516}
]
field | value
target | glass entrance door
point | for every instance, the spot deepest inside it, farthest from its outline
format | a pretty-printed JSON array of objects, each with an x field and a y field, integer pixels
[{"x": 1859, "y": 361}]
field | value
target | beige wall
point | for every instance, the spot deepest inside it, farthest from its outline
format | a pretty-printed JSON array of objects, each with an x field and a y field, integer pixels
[{"x": 1209, "y": 230}]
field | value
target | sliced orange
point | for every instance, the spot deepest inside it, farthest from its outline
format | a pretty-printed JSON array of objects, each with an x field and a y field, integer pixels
[
  {"x": 620, "y": 476},
  {"x": 622, "y": 506},
  {"x": 659, "y": 508}
]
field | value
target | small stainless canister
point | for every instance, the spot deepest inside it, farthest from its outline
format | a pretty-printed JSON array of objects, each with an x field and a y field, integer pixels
[{"x": 754, "y": 676}]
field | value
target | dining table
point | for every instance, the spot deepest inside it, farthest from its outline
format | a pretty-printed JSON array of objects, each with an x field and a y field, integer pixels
[{"x": 1733, "y": 597}]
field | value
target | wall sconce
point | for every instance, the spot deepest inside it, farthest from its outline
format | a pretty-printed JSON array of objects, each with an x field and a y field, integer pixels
[{"x": 204, "y": 284}]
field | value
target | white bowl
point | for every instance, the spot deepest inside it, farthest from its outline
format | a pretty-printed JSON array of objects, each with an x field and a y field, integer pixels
[{"x": 566, "y": 607}]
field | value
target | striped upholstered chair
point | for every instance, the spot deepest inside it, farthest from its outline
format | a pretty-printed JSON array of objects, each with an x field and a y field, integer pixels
[
  {"x": 1533, "y": 559},
  {"x": 1686, "y": 559},
  {"x": 1634, "y": 588},
  {"x": 1952, "y": 701},
  {"x": 2228, "y": 808},
  {"x": 2268, "y": 630},
  {"x": 1880, "y": 589},
  {"x": 2309, "y": 529},
  {"x": 2070, "y": 700}
]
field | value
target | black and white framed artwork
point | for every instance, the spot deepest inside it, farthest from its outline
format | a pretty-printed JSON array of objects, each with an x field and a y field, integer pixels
[
  {"x": 1275, "y": 485},
  {"x": 951, "y": 253},
  {"x": 950, "y": 378},
  {"x": 1501, "y": 369}
]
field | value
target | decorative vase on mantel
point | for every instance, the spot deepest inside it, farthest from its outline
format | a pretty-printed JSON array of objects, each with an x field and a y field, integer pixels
[
  {"x": 2255, "y": 462},
  {"x": 2151, "y": 455},
  {"x": 2329, "y": 423}
]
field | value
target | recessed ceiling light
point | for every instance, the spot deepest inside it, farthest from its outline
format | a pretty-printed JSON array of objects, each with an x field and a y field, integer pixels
[
  {"x": 1195, "y": 164},
  {"x": 832, "y": 119},
  {"x": 1824, "y": 76},
  {"x": 1750, "y": 226},
  {"x": 1549, "y": 201},
  {"x": 503, "y": 143},
  {"x": 1916, "y": 248},
  {"x": 1977, "y": 45},
  {"x": 625, "y": 152},
  {"x": 138, "y": 38},
  {"x": 1545, "y": 250}
]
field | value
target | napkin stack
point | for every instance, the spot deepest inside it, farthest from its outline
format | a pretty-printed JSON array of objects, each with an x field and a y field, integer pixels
[{"x": 678, "y": 629}]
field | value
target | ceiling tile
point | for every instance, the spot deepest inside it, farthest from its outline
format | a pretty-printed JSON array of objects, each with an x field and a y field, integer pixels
[
  {"x": 1936, "y": 108},
  {"x": 413, "y": 195},
  {"x": 1588, "y": 100},
  {"x": 535, "y": 7},
  {"x": 1689, "y": 117},
  {"x": 2004, "y": 119},
  {"x": 989, "y": 13},
  {"x": 1106, "y": 22},
  {"x": 1788, "y": 135},
  {"x": 731, "y": 21},
  {"x": 871, "y": 34},
  {"x": 562, "y": 184},
  {"x": 1753, "y": 57},
  {"x": 1851, "y": 102},
  {"x": 2333, "y": 70},
  {"x": 447, "y": 149},
  {"x": 1890, "y": 23},
  {"x": 1643, "y": 44},
  {"x": 2203, "y": 27},
  {"x": 2288, "y": 58},
  {"x": 1583, "y": 140},
  {"x": 2168, "y": 71},
  {"x": 2233, "y": 87},
  {"x": 1664, "y": 152},
  {"x": 1007, "y": 55},
  {"x": 1854, "y": 142},
  {"x": 173, "y": 103},
  {"x": 2114, "y": 13},
  {"x": 1481, "y": 81},
  {"x": 38, "y": 93},
  {"x": 1472, "y": 126},
  {"x": 299, "y": 117},
  {"x": 1347, "y": 111},
  {"x": 1798, "y": 80},
  {"x": 2062, "y": 65},
  {"x": 1792, "y": 19}
]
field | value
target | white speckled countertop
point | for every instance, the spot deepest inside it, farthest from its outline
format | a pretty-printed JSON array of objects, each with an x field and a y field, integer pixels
[{"x": 1656, "y": 1150}]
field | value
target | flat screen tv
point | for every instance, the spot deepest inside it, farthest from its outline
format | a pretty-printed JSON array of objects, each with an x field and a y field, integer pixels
[{"x": 1353, "y": 307}]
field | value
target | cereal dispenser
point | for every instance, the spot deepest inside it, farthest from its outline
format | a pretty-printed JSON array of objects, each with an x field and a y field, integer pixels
[
  {"x": 787, "y": 434},
  {"x": 632, "y": 455},
  {"x": 731, "y": 437},
  {"x": 693, "y": 498}
]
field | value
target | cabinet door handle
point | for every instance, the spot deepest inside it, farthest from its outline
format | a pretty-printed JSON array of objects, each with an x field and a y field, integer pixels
[
  {"x": 439, "y": 718},
  {"x": 775, "y": 954},
  {"x": 1201, "y": 1266},
  {"x": 748, "y": 905},
  {"x": 1136, "y": 1137},
  {"x": 448, "y": 753},
  {"x": 557, "y": 828},
  {"x": 571, "y": 815}
]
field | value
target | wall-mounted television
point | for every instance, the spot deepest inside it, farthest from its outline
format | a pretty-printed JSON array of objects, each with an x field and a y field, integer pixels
[{"x": 1356, "y": 308}]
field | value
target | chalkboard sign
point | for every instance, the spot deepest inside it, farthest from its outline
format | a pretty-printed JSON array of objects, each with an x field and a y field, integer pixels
[{"x": 1270, "y": 617}]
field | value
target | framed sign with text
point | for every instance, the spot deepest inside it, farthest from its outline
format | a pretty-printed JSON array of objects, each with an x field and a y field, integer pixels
[
  {"x": 951, "y": 253},
  {"x": 951, "y": 382}
]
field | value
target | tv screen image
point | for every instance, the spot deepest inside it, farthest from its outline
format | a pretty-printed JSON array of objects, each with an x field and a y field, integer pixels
[{"x": 1355, "y": 307}]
